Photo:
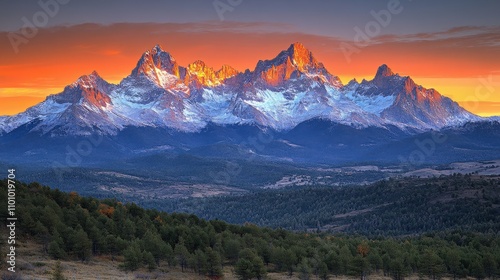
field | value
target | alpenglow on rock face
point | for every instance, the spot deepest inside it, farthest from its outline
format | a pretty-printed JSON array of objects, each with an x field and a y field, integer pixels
[{"x": 279, "y": 93}]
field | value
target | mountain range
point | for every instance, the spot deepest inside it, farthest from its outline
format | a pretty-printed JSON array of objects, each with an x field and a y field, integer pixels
[
  {"x": 279, "y": 93},
  {"x": 307, "y": 108}
]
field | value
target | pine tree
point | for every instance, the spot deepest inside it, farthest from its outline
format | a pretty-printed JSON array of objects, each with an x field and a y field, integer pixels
[
  {"x": 345, "y": 257},
  {"x": 284, "y": 259},
  {"x": 156, "y": 246},
  {"x": 360, "y": 266},
  {"x": 214, "y": 264},
  {"x": 57, "y": 273},
  {"x": 453, "y": 262},
  {"x": 56, "y": 246},
  {"x": 323, "y": 271},
  {"x": 397, "y": 269},
  {"x": 55, "y": 250},
  {"x": 249, "y": 265},
  {"x": 182, "y": 255},
  {"x": 304, "y": 270},
  {"x": 231, "y": 249},
  {"x": 476, "y": 269},
  {"x": 199, "y": 261},
  {"x": 244, "y": 269},
  {"x": 82, "y": 245},
  {"x": 432, "y": 265},
  {"x": 133, "y": 257},
  {"x": 489, "y": 265},
  {"x": 149, "y": 260}
]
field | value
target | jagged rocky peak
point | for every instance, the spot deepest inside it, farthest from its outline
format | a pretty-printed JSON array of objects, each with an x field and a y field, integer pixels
[
  {"x": 200, "y": 69},
  {"x": 384, "y": 71},
  {"x": 157, "y": 65},
  {"x": 290, "y": 64},
  {"x": 409, "y": 84},
  {"x": 156, "y": 59},
  {"x": 225, "y": 72},
  {"x": 90, "y": 80},
  {"x": 157, "y": 49},
  {"x": 296, "y": 56},
  {"x": 90, "y": 89},
  {"x": 351, "y": 85},
  {"x": 302, "y": 57},
  {"x": 198, "y": 65},
  {"x": 280, "y": 93},
  {"x": 386, "y": 78},
  {"x": 206, "y": 75},
  {"x": 203, "y": 74}
]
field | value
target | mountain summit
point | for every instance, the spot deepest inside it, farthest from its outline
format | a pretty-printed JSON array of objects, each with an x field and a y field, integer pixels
[
  {"x": 156, "y": 59},
  {"x": 293, "y": 63},
  {"x": 398, "y": 99},
  {"x": 384, "y": 71},
  {"x": 302, "y": 58},
  {"x": 280, "y": 93}
]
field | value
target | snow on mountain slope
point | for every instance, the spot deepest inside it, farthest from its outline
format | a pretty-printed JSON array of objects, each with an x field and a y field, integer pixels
[
  {"x": 82, "y": 107},
  {"x": 47, "y": 110},
  {"x": 294, "y": 87},
  {"x": 279, "y": 93},
  {"x": 398, "y": 100},
  {"x": 291, "y": 64},
  {"x": 374, "y": 103},
  {"x": 160, "y": 68}
]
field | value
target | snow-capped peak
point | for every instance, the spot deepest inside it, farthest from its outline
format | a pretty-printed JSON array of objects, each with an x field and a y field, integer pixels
[
  {"x": 88, "y": 80},
  {"x": 400, "y": 101},
  {"x": 296, "y": 56},
  {"x": 293, "y": 63},
  {"x": 280, "y": 93},
  {"x": 156, "y": 59}
]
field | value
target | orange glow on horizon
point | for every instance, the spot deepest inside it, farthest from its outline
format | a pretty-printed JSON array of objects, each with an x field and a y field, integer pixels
[
  {"x": 57, "y": 56},
  {"x": 14, "y": 105}
]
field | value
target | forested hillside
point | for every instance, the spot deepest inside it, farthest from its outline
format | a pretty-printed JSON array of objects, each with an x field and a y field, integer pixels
[
  {"x": 394, "y": 207},
  {"x": 78, "y": 228}
]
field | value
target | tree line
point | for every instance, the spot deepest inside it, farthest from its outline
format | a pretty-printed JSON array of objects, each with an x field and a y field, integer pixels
[
  {"x": 78, "y": 228},
  {"x": 393, "y": 207}
]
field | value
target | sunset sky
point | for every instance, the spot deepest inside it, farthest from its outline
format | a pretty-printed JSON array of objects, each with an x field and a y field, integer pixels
[{"x": 452, "y": 46}]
